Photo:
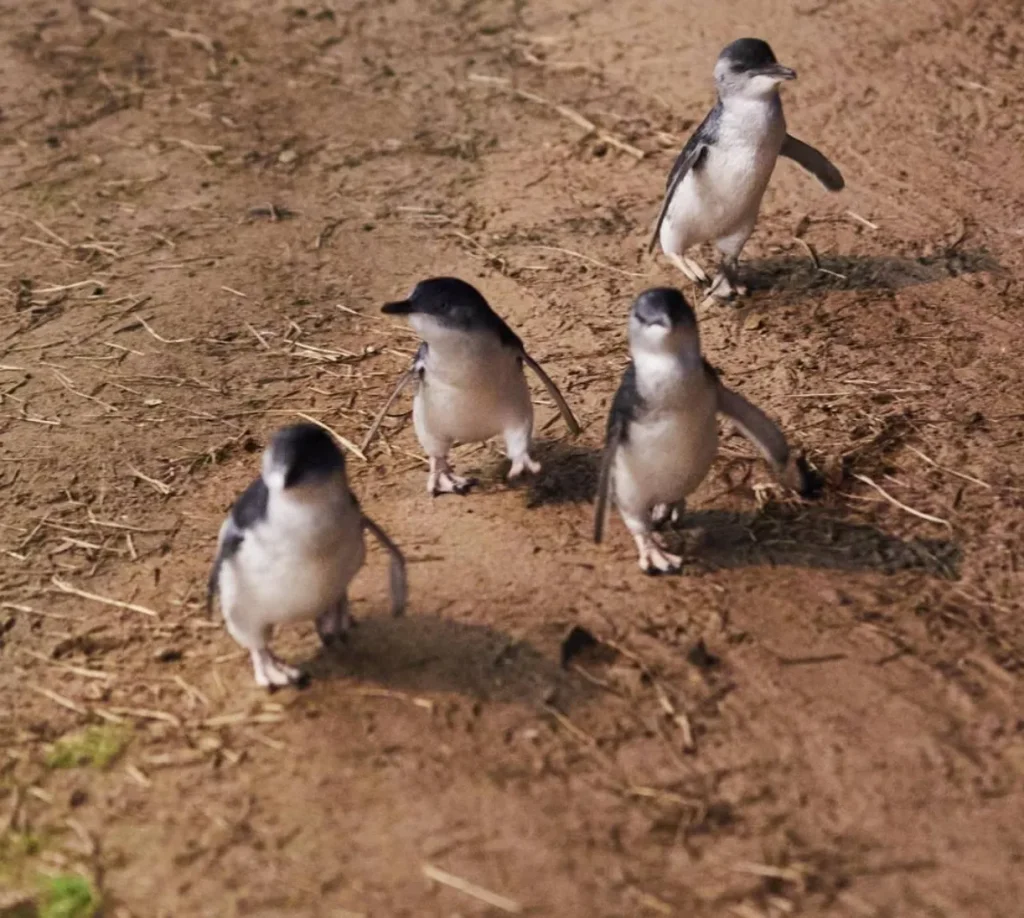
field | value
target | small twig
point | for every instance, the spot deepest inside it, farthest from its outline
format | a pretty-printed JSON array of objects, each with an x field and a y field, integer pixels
[
  {"x": 257, "y": 336},
  {"x": 197, "y": 38},
  {"x": 60, "y": 288},
  {"x": 66, "y": 382},
  {"x": 135, "y": 773},
  {"x": 948, "y": 471},
  {"x": 892, "y": 500},
  {"x": 770, "y": 872},
  {"x": 593, "y": 261},
  {"x": 569, "y": 114},
  {"x": 77, "y": 670},
  {"x": 162, "y": 340},
  {"x": 147, "y": 714},
  {"x": 158, "y": 486},
  {"x": 425, "y": 703},
  {"x": 344, "y": 441},
  {"x": 200, "y": 149},
  {"x": 58, "y": 699},
  {"x": 861, "y": 219},
  {"x": 28, "y": 610},
  {"x": 471, "y": 889},
  {"x": 64, "y": 587},
  {"x": 52, "y": 234},
  {"x": 810, "y": 252}
]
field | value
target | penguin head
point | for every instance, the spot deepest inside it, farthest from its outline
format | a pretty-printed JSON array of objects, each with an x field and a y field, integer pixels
[
  {"x": 661, "y": 321},
  {"x": 302, "y": 455},
  {"x": 747, "y": 67},
  {"x": 443, "y": 303}
]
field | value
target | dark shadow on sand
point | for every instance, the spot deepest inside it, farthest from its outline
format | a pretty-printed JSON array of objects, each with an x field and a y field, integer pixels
[
  {"x": 806, "y": 535},
  {"x": 422, "y": 653},
  {"x": 797, "y": 273},
  {"x": 568, "y": 475},
  {"x": 809, "y": 538}
]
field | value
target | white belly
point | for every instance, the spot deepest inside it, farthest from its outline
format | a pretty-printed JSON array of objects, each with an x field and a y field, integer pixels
[
  {"x": 722, "y": 198},
  {"x": 665, "y": 459},
  {"x": 471, "y": 402},
  {"x": 282, "y": 573}
]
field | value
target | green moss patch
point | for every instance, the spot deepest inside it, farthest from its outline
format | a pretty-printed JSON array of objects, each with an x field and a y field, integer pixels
[
  {"x": 97, "y": 747},
  {"x": 68, "y": 896}
]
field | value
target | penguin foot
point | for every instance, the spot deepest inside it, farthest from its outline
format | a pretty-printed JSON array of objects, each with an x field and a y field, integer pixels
[
  {"x": 521, "y": 465},
  {"x": 334, "y": 625},
  {"x": 663, "y": 515},
  {"x": 724, "y": 288},
  {"x": 656, "y": 560},
  {"x": 692, "y": 271},
  {"x": 447, "y": 483},
  {"x": 272, "y": 672}
]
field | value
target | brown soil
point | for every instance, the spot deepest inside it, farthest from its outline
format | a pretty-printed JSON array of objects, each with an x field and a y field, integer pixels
[{"x": 202, "y": 206}]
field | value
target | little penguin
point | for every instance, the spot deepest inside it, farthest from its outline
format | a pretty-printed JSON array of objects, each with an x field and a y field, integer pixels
[
  {"x": 716, "y": 184},
  {"x": 289, "y": 547},
  {"x": 471, "y": 384},
  {"x": 662, "y": 433}
]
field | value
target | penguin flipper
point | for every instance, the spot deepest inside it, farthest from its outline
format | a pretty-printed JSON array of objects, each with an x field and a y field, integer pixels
[
  {"x": 814, "y": 162},
  {"x": 604, "y": 479},
  {"x": 403, "y": 381},
  {"x": 555, "y": 393},
  {"x": 398, "y": 580},
  {"x": 228, "y": 542},
  {"x": 769, "y": 440},
  {"x": 690, "y": 160}
]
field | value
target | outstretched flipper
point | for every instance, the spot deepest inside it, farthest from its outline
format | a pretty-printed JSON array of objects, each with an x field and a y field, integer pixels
[
  {"x": 814, "y": 162},
  {"x": 398, "y": 581},
  {"x": 690, "y": 158},
  {"x": 403, "y": 381},
  {"x": 553, "y": 391},
  {"x": 760, "y": 430}
]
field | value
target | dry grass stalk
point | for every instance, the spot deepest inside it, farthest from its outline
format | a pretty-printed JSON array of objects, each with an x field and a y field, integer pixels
[
  {"x": 570, "y": 114},
  {"x": 587, "y": 258},
  {"x": 68, "y": 667},
  {"x": 425, "y": 703},
  {"x": 64, "y": 587},
  {"x": 157, "y": 486},
  {"x": 904, "y": 507},
  {"x": 58, "y": 699},
  {"x": 147, "y": 714},
  {"x": 471, "y": 889}
]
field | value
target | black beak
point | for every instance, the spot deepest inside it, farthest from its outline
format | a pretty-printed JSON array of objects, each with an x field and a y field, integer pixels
[
  {"x": 399, "y": 308},
  {"x": 777, "y": 71}
]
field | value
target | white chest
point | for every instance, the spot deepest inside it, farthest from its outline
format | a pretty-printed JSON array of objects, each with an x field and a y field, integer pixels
[
  {"x": 473, "y": 388},
  {"x": 672, "y": 445},
  {"x": 297, "y": 562},
  {"x": 724, "y": 193}
]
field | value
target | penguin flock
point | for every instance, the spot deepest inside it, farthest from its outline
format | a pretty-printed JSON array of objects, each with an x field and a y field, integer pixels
[{"x": 295, "y": 538}]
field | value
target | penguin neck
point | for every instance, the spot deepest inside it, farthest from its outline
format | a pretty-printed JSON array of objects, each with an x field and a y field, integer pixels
[
  {"x": 659, "y": 373},
  {"x": 310, "y": 510},
  {"x": 742, "y": 105},
  {"x": 466, "y": 357}
]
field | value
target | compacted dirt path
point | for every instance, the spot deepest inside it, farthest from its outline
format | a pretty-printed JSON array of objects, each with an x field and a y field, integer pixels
[{"x": 202, "y": 207}]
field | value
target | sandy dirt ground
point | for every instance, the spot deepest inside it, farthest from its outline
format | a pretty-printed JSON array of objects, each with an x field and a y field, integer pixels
[{"x": 202, "y": 207}]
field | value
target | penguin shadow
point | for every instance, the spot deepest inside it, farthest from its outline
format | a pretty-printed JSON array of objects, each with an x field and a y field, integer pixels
[
  {"x": 568, "y": 474},
  {"x": 810, "y": 538},
  {"x": 423, "y": 653},
  {"x": 798, "y": 274}
]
